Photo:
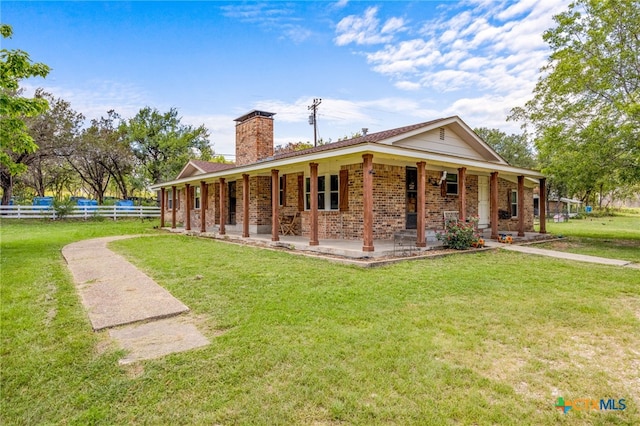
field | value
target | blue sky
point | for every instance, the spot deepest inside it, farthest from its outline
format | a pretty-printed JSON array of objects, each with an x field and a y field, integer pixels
[{"x": 377, "y": 65}]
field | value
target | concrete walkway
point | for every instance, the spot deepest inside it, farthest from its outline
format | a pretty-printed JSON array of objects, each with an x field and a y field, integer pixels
[
  {"x": 527, "y": 249},
  {"x": 115, "y": 294}
]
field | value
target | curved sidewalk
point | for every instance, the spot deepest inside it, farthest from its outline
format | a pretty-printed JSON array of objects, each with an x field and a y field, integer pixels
[
  {"x": 562, "y": 255},
  {"x": 115, "y": 293}
]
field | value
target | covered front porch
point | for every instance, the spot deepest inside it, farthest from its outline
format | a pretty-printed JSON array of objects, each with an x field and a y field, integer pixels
[
  {"x": 357, "y": 200},
  {"x": 343, "y": 248}
]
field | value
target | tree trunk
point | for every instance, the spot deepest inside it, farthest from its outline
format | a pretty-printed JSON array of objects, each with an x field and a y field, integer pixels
[{"x": 6, "y": 182}]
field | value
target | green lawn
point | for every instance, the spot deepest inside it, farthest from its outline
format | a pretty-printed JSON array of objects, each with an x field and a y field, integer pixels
[
  {"x": 489, "y": 338},
  {"x": 622, "y": 226},
  {"x": 616, "y": 237}
]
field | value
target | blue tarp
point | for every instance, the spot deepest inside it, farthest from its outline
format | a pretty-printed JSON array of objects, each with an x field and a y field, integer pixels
[
  {"x": 43, "y": 201},
  {"x": 87, "y": 204},
  {"x": 125, "y": 204}
]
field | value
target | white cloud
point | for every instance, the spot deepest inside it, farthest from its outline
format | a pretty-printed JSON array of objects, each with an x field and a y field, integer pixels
[
  {"x": 340, "y": 4},
  {"x": 492, "y": 46},
  {"x": 277, "y": 17},
  {"x": 297, "y": 33},
  {"x": 94, "y": 98},
  {"x": 256, "y": 12},
  {"x": 365, "y": 30},
  {"x": 407, "y": 56},
  {"x": 475, "y": 63},
  {"x": 485, "y": 111},
  {"x": 221, "y": 129},
  {"x": 393, "y": 25},
  {"x": 516, "y": 9},
  {"x": 408, "y": 85}
]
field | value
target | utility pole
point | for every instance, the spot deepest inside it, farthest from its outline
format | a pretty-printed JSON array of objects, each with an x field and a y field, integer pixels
[{"x": 313, "y": 121}]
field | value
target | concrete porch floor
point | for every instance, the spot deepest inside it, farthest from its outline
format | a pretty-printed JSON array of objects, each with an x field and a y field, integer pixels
[{"x": 351, "y": 249}]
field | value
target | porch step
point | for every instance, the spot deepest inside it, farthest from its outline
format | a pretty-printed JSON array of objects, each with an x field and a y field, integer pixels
[{"x": 430, "y": 234}]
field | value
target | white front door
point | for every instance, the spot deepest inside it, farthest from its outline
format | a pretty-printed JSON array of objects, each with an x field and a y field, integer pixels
[{"x": 483, "y": 202}]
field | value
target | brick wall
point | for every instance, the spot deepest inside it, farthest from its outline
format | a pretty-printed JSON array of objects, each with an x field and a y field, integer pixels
[
  {"x": 436, "y": 204},
  {"x": 260, "y": 200},
  {"x": 292, "y": 191},
  {"x": 211, "y": 209},
  {"x": 389, "y": 186},
  {"x": 254, "y": 140},
  {"x": 504, "y": 191},
  {"x": 389, "y": 200}
]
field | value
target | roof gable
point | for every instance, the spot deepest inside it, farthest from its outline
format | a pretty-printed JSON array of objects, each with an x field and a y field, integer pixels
[
  {"x": 459, "y": 141},
  {"x": 199, "y": 167},
  {"x": 450, "y": 136}
]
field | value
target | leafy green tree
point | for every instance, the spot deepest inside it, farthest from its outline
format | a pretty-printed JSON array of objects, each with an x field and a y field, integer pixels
[
  {"x": 52, "y": 131},
  {"x": 162, "y": 145},
  {"x": 117, "y": 157},
  {"x": 220, "y": 159},
  {"x": 515, "y": 149},
  {"x": 87, "y": 155},
  {"x": 15, "y": 141},
  {"x": 585, "y": 111},
  {"x": 292, "y": 147}
]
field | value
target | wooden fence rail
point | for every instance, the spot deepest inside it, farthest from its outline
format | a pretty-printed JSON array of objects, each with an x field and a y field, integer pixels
[{"x": 78, "y": 212}]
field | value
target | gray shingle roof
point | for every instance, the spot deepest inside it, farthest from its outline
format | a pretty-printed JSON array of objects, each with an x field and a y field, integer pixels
[
  {"x": 209, "y": 167},
  {"x": 371, "y": 137}
]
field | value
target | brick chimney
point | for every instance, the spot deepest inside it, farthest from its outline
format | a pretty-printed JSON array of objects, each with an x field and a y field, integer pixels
[{"x": 254, "y": 137}]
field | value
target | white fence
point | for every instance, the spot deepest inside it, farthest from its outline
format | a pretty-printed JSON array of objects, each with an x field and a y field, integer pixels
[{"x": 79, "y": 212}]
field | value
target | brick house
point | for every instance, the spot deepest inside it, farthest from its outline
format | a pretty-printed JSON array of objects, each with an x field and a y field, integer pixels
[{"x": 365, "y": 188}]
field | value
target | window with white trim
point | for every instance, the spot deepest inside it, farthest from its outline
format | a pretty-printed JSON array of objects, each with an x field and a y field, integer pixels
[
  {"x": 282, "y": 189},
  {"x": 452, "y": 184},
  {"x": 169, "y": 200},
  {"x": 334, "y": 192},
  {"x": 328, "y": 194},
  {"x": 514, "y": 203},
  {"x": 196, "y": 197}
]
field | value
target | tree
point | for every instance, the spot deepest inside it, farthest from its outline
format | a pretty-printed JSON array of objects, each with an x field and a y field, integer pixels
[
  {"x": 117, "y": 158},
  {"x": 162, "y": 145},
  {"x": 585, "y": 110},
  {"x": 15, "y": 65},
  {"x": 52, "y": 131},
  {"x": 292, "y": 147},
  {"x": 515, "y": 149},
  {"x": 87, "y": 155}
]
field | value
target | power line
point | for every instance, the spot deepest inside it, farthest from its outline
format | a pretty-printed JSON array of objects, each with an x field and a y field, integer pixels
[{"x": 312, "y": 119}]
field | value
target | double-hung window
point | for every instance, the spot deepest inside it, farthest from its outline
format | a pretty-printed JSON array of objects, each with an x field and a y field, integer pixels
[
  {"x": 452, "y": 184},
  {"x": 514, "y": 203},
  {"x": 282, "y": 189},
  {"x": 328, "y": 192},
  {"x": 196, "y": 197},
  {"x": 169, "y": 200}
]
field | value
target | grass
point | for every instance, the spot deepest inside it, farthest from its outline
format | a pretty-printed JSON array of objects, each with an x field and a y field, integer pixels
[
  {"x": 622, "y": 226},
  {"x": 489, "y": 338},
  {"x": 616, "y": 237}
]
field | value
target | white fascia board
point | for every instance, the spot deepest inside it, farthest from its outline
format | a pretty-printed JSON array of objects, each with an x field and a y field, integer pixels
[
  {"x": 365, "y": 147},
  {"x": 458, "y": 161},
  {"x": 269, "y": 165}
]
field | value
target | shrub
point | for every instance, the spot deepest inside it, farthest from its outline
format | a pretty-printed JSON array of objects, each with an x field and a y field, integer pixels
[
  {"x": 63, "y": 207},
  {"x": 458, "y": 235}
]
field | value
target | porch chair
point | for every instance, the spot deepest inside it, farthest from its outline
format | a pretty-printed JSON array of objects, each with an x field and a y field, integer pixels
[
  {"x": 451, "y": 216},
  {"x": 288, "y": 224}
]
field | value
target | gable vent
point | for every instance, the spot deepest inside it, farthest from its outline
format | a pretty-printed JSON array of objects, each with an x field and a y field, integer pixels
[{"x": 441, "y": 133}]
